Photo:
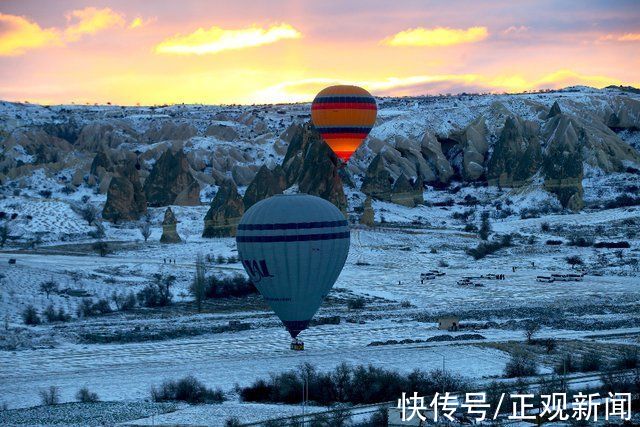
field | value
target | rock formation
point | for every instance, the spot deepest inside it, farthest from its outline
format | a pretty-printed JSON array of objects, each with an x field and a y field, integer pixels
[
  {"x": 169, "y": 131},
  {"x": 222, "y": 132},
  {"x": 125, "y": 198},
  {"x": 377, "y": 181},
  {"x": 265, "y": 184},
  {"x": 312, "y": 165},
  {"x": 100, "y": 134},
  {"x": 474, "y": 148},
  {"x": 407, "y": 192},
  {"x": 516, "y": 156},
  {"x": 171, "y": 182},
  {"x": 225, "y": 212},
  {"x": 562, "y": 161},
  {"x": 367, "y": 218},
  {"x": 169, "y": 225},
  {"x": 432, "y": 151}
]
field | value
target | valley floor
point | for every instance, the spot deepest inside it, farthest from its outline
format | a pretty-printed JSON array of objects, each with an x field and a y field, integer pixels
[{"x": 384, "y": 266}]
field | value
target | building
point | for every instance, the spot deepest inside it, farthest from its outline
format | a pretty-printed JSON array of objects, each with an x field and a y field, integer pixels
[{"x": 449, "y": 323}]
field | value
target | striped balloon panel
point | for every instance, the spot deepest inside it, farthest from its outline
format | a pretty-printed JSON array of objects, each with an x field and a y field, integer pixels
[
  {"x": 293, "y": 248},
  {"x": 344, "y": 116}
]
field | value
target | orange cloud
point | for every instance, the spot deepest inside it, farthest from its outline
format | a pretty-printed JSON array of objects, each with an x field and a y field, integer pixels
[
  {"x": 91, "y": 20},
  {"x": 439, "y": 36},
  {"x": 628, "y": 37},
  {"x": 18, "y": 34},
  {"x": 216, "y": 39}
]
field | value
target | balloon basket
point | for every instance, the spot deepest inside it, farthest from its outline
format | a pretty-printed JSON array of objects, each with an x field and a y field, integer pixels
[{"x": 297, "y": 345}]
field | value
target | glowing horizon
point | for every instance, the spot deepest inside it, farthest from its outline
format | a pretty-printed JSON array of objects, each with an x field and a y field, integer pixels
[{"x": 246, "y": 52}]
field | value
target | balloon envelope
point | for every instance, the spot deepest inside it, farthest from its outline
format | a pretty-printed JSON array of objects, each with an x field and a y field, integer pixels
[
  {"x": 344, "y": 116},
  {"x": 293, "y": 248}
]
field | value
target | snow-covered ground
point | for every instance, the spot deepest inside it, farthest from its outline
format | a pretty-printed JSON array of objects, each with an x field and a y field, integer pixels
[
  {"x": 397, "y": 328},
  {"x": 395, "y": 256}
]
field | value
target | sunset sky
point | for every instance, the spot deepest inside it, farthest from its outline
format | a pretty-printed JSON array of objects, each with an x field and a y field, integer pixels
[{"x": 240, "y": 51}]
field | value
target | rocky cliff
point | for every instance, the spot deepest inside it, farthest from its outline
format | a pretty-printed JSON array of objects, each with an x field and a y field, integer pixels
[
  {"x": 125, "y": 198},
  {"x": 225, "y": 212},
  {"x": 171, "y": 182}
]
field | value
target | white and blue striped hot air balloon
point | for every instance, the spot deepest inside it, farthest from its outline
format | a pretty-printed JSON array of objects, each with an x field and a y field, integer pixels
[{"x": 293, "y": 247}]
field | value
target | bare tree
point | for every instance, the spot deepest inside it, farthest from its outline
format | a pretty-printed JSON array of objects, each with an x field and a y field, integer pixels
[
  {"x": 145, "y": 230},
  {"x": 89, "y": 213},
  {"x": 4, "y": 234},
  {"x": 117, "y": 299},
  {"x": 198, "y": 286},
  {"x": 574, "y": 260},
  {"x": 485, "y": 226},
  {"x": 531, "y": 329},
  {"x": 50, "y": 396},
  {"x": 48, "y": 287}
]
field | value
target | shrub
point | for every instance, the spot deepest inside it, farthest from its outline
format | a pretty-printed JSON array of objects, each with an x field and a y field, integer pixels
[
  {"x": 470, "y": 228},
  {"x": 356, "y": 303},
  {"x": 580, "y": 241},
  {"x": 612, "y": 245},
  {"x": 545, "y": 227},
  {"x": 620, "y": 382},
  {"x": 129, "y": 303},
  {"x": 574, "y": 260},
  {"x": 590, "y": 362},
  {"x": 30, "y": 316},
  {"x": 158, "y": 293},
  {"x": 46, "y": 193},
  {"x": 88, "y": 307},
  {"x": 347, "y": 384},
  {"x": 232, "y": 422},
  {"x": 520, "y": 365},
  {"x": 85, "y": 396},
  {"x": 235, "y": 286},
  {"x": 628, "y": 359},
  {"x": 50, "y": 396},
  {"x": 187, "y": 389},
  {"x": 566, "y": 365},
  {"x": 52, "y": 315},
  {"x": 101, "y": 248},
  {"x": 488, "y": 248},
  {"x": 622, "y": 201}
]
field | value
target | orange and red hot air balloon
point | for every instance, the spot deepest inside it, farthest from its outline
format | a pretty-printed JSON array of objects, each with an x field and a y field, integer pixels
[{"x": 344, "y": 116}]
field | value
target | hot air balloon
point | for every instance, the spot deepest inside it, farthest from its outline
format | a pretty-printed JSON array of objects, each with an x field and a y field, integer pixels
[
  {"x": 293, "y": 248},
  {"x": 344, "y": 116}
]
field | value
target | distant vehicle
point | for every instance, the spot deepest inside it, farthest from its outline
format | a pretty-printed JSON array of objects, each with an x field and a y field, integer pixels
[
  {"x": 12, "y": 260},
  {"x": 570, "y": 277},
  {"x": 544, "y": 279},
  {"x": 436, "y": 273}
]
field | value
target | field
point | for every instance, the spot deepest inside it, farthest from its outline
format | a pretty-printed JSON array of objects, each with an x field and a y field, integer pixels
[{"x": 122, "y": 354}]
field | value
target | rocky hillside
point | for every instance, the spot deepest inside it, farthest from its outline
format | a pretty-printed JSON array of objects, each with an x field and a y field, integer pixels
[{"x": 579, "y": 144}]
